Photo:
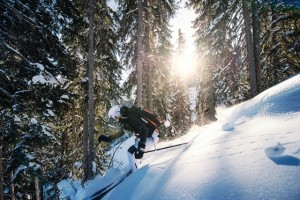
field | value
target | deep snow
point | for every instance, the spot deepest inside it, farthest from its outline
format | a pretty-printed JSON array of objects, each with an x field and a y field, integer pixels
[{"x": 251, "y": 152}]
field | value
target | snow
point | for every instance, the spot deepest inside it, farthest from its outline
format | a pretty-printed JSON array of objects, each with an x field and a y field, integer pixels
[
  {"x": 44, "y": 77},
  {"x": 251, "y": 152},
  {"x": 20, "y": 168},
  {"x": 33, "y": 121},
  {"x": 39, "y": 66},
  {"x": 65, "y": 96},
  {"x": 50, "y": 113},
  {"x": 47, "y": 131},
  {"x": 17, "y": 118},
  {"x": 193, "y": 101},
  {"x": 43, "y": 80}
]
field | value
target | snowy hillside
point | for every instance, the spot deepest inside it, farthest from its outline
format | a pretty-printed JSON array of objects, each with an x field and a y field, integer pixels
[{"x": 251, "y": 152}]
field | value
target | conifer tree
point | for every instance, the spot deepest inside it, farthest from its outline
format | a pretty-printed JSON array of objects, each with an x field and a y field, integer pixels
[
  {"x": 34, "y": 67},
  {"x": 250, "y": 49},
  {"x": 155, "y": 19},
  {"x": 222, "y": 34},
  {"x": 107, "y": 72},
  {"x": 180, "y": 114}
]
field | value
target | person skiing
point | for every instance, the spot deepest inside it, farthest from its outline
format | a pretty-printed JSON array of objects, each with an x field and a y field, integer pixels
[{"x": 140, "y": 122}]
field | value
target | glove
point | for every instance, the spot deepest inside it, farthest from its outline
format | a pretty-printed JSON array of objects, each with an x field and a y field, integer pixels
[
  {"x": 139, "y": 153},
  {"x": 103, "y": 138}
]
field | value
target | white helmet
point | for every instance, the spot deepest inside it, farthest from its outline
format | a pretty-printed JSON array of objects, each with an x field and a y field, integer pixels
[{"x": 114, "y": 112}]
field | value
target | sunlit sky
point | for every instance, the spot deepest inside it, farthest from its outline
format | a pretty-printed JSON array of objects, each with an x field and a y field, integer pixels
[
  {"x": 183, "y": 20},
  {"x": 185, "y": 64}
]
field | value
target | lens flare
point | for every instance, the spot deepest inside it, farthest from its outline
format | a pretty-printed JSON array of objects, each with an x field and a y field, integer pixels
[{"x": 184, "y": 65}]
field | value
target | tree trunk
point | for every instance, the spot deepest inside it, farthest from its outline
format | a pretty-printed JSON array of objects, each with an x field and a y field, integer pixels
[
  {"x": 207, "y": 107},
  {"x": 148, "y": 59},
  {"x": 250, "y": 54},
  {"x": 73, "y": 119},
  {"x": 37, "y": 188},
  {"x": 150, "y": 87},
  {"x": 256, "y": 43},
  {"x": 85, "y": 139},
  {"x": 1, "y": 174},
  {"x": 139, "y": 66},
  {"x": 12, "y": 186},
  {"x": 274, "y": 49},
  {"x": 88, "y": 136}
]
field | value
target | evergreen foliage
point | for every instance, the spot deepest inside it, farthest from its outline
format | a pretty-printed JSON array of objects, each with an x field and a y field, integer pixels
[
  {"x": 42, "y": 80},
  {"x": 221, "y": 43},
  {"x": 179, "y": 104},
  {"x": 107, "y": 72},
  {"x": 157, "y": 52},
  {"x": 34, "y": 67}
]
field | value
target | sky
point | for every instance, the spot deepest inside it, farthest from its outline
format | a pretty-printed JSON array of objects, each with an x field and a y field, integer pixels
[
  {"x": 186, "y": 63},
  {"x": 183, "y": 20},
  {"x": 251, "y": 152}
]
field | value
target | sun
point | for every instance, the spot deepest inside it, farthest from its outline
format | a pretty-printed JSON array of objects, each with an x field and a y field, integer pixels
[{"x": 184, "y": 65}]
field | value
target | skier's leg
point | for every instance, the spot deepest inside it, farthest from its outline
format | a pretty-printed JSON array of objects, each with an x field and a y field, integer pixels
[
  {"x": 152, "y": 141},
  {"x": 133, "y": 162},
  {"x": 131, "y": 158},
  {"x": 155, "y": 136},
  {"x": 150, "y": 144}
]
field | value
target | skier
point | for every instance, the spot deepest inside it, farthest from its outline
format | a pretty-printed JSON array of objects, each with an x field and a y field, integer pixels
[{"x": 144, "y": 127}]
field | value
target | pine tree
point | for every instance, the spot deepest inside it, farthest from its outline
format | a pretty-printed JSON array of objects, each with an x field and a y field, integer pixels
[
  {"x": 89, "y": 112},
  {"x": 180, "y": 114},
  {"x": 107, "y": 74},
  {"x": 161, "y": 59},
  {"x": 139, "y": 62},
  {"x": 280, "y": 46},
  {"x": 223, "y": 29},
  {"x": 155, "y": 26},
  {"x": 250, "y": 49},
  {"x": 255, "y": 11},
  {"x": 34, "y": 67}
]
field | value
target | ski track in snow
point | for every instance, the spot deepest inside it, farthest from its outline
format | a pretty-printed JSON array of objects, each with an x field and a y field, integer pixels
[
  {"x": 226, "y": 148},
  {"x": 221, "y": 150},
  {"x": 232, "y": 147}
]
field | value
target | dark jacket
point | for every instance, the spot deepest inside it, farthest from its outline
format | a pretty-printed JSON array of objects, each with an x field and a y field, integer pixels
[{"x": 133, "y": 123}]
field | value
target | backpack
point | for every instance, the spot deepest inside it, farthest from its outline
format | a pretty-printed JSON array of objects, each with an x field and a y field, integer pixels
[{"x": 148, "y": 118}]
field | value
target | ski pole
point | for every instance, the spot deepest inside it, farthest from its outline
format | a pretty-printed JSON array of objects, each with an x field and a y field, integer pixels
[
  {"x": 176, "y": 145},
  {"x": 111, "y": 160}
]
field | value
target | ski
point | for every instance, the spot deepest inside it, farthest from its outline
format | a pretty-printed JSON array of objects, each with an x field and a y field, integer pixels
[{"x": 102, "y": 192}]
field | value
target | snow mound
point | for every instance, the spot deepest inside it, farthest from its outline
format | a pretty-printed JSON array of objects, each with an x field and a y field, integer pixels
[
  {"x": 275, "y": 154},
  {"x": 275, "y": 151},
  {"x": 274, "y": 101}
]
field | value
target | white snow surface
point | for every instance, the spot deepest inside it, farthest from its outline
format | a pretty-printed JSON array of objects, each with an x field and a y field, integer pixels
[{"x": 252, "y": 152}]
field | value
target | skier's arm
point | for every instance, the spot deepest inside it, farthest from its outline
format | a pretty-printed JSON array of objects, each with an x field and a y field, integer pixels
[
  {"x": 117, "y": 135},
  {"x": 104, "y": 138}
]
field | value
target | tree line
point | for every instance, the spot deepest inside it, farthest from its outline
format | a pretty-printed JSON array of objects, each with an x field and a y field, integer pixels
[
  {"x": 244, "y": 47},
  {"x": 62, "y": 67}
]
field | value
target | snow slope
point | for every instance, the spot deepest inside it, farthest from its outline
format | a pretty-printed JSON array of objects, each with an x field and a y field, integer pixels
[{"x": 251, "y": 152}]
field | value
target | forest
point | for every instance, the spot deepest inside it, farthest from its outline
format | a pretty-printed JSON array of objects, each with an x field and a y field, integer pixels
[{"x": 64, "y": 63}]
